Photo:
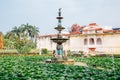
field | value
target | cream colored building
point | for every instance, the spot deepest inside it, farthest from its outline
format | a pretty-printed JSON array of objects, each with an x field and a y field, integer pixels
[{"x": 86, "y": 38}]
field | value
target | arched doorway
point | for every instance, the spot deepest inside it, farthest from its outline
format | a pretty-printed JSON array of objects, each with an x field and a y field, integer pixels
[
  {"x": 85, "y": 41},
  {"x": 91, "y": 41},
  {"x": 99, "y": 41}
]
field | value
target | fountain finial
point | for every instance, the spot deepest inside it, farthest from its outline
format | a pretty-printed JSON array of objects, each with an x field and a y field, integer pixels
[{"x": 59, "y": 14}]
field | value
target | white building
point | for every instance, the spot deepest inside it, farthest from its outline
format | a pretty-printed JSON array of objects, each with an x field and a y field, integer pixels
[{"x": 85, "y": 38}]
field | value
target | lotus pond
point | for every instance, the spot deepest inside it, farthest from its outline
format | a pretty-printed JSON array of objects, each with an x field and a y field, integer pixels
[{"x": 32, "y": 67}]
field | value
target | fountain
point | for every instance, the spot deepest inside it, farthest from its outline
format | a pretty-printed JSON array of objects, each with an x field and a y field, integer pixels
[{"x": 59, "y": 56}]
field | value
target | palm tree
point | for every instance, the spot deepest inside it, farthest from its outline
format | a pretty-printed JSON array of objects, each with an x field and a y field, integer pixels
[
  {"x": 17, "y": 31},
  {"x": 25, "y": 28},
  {"x": 30, "y": 31},
  {"x": 33, "y": 32}
]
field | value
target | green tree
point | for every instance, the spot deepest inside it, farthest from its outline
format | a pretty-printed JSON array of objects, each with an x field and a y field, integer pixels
[
  {"x": 9, "y": 35},
  {"x": 19, "y": 37},
  {"x": 31, "y": 31},
  {"x": 9, "y": 40},
  {"x": 17, "y": 32}
]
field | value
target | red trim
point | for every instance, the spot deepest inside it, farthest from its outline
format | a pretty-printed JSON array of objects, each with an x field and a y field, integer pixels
[{"x": 92, "y": 49}]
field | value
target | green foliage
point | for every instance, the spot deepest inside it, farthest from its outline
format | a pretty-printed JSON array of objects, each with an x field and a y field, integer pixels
[
  {"x": 22, "y": 38},
  {"x": 103, "y": 62},
  {"x": 24, "y": 47},
  {"x": 44, "y": 51},
  {"x": 31, "y": 68},
  {"x": 8, "y": 44}
]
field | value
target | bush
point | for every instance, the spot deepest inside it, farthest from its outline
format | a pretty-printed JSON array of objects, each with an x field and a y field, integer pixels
[
  {"x": 77, "y": 53},
  {"x": 44, "y": 51}
]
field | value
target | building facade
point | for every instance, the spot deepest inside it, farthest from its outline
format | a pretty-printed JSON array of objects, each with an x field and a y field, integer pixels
[{"x": 86, "y": 38}]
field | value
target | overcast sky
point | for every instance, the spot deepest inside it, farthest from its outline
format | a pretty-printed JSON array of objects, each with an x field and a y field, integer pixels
[{"x": 43, "y": 13}]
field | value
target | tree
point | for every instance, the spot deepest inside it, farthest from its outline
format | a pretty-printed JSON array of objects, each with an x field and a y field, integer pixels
[
  {"x": 9, "y": 35},
  {"x": 19, "y": 37},
  {"x": 31, "y": 31},
  {"x": 17, "y": 32}
]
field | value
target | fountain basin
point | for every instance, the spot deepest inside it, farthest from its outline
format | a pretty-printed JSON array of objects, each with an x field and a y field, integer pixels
[
  {"x": 68, "y": 61},
  {"x": 59, "y": 40}
]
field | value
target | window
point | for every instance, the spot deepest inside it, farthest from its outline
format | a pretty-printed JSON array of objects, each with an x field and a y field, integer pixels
[
  {"x": 85, "y": 41},
  {"x": 91, "y": 40},
  {"x": 99, "y": 41}
]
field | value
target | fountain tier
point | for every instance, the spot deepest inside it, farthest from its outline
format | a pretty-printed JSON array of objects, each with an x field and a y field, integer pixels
[{"x": 59, "y": 55}]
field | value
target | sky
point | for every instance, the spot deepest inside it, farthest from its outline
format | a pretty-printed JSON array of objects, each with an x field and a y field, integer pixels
[{"x": 43, "y": 13}]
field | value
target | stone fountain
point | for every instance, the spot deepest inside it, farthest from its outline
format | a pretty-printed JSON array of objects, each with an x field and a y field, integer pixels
[{"x": 59, "y": 55}]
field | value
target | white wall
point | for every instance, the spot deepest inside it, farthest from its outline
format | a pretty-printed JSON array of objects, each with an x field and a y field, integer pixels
[{"x": 76, "y": 43}]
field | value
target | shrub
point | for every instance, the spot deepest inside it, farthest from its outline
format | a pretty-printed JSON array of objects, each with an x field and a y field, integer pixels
[{"x": 44, "y": 51}]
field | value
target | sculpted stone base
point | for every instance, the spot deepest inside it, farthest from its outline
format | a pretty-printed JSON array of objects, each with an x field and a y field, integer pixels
[{"x": 61, "y": 61}]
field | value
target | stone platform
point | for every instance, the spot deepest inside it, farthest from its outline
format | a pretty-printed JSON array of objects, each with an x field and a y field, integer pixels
[{"x": 68, "y": 61}]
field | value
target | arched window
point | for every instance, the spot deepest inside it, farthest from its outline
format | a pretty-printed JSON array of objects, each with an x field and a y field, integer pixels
[
  {"x": 91, "y": 41},
  {"x": 99, "y": 41},
  {"x": 85, "y": 41}
]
